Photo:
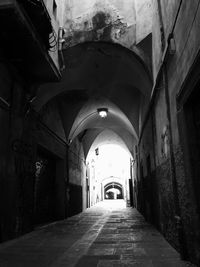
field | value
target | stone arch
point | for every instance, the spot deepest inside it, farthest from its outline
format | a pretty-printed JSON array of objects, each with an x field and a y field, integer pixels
[{"x": 114, "y": 195}]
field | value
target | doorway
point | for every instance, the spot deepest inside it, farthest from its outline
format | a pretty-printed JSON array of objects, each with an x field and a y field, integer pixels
[
  {"x": 192, "y": 118},
  {"x": 113, "y": 191},
  {"x": 44, "y": 187}
]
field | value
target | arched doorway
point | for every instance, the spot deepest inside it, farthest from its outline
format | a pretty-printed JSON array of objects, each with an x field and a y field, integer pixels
[{"x": 113, "y": 191}]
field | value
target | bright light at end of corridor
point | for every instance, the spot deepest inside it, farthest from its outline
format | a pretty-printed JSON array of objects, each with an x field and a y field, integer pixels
[
  {"x": 108, "y": 172},
  {"x": 112, "y": 160}
]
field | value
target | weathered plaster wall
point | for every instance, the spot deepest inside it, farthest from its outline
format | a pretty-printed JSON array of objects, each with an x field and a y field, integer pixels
[
  {"x": 163, "y": 168},
  {"x": 51, "y": 137},
  {"x": 101, "y": 20},
  {"x": 155, "y": 185},
  {"x": 124, "y": 22},
  {"x": 185, "y": 36},
  {"x": 144, "y": 16},
  {"x": 177, "y": 67},
  {"x": 187, "y": 48},
  {"x": 161, "y": 128},
  {"x": 16, "y": 165},
  {"x": 49, "y": 115},
  {"x": 156, "y": 40},
  {"x": 77, "y": 177},
  {"x": 20, "y": 134}
]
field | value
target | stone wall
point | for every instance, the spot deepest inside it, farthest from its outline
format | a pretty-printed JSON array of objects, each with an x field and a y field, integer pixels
[
  {"x": 77, "y": 177},
  {"x": 155, "y": 184},
  {"x": 21, "y": 133},
  {"x": 51, "y": 144},
  {"x": 177, "y": 20},
  {"x": 17, "y": 154}
]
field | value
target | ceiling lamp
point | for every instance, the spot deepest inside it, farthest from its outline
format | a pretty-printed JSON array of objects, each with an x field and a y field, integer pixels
[{"x": 103, "y": 112}]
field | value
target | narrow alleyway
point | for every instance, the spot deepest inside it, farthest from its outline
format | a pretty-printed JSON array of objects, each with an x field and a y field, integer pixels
[{"x": 108, "y": 234}]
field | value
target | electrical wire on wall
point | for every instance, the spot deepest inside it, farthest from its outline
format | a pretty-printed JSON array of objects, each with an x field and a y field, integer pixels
[
  {"x": 36, "y": 2},
  {"x": 53, "y": 41}
]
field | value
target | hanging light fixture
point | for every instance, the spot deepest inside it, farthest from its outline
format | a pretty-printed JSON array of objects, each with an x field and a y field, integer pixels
[{"x": 103, "y": 112}]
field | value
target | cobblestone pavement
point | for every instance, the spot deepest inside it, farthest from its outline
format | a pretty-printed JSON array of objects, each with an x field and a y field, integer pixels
[{"x": 106, "y": 235}]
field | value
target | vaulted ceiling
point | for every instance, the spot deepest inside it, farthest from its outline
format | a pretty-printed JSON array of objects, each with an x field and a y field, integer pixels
[{"x": 107, "y": 64}]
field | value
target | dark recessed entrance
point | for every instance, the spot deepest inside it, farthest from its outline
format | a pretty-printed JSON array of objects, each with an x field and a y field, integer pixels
[{"x": 44, "y": 189}]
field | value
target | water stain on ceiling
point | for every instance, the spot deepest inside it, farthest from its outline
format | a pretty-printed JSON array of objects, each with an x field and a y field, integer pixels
[{"x": 106, "y": 20}]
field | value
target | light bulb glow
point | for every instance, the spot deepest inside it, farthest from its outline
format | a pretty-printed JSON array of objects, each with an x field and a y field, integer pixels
[{"x": 103, "y": 112}]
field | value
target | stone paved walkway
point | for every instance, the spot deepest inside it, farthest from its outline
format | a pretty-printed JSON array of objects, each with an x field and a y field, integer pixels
[{"x": 106, "y": 235}]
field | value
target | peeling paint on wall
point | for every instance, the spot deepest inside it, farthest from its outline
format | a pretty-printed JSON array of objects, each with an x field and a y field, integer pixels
[
  {"x": 144, "y": 18},
  {"x": 107, "y": 20}
]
